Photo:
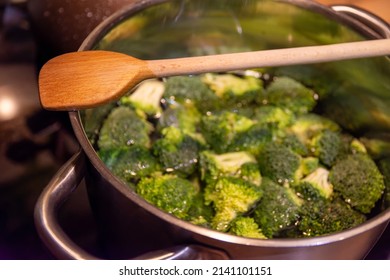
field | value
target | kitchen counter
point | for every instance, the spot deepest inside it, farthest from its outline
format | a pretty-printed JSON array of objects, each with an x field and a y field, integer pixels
[{"x": 380, "y": 8}]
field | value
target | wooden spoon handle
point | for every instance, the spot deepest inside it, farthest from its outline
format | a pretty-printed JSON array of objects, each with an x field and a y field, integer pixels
[
  {"x": 83, "y": 80},
  {"x": 269, "y": 58}
]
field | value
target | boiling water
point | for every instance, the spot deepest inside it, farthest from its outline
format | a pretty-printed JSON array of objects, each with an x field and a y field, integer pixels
[{"x": 355, "y": 93}]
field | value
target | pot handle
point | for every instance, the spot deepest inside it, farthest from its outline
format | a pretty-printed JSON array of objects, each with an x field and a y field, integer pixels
[
  {"x": 59, "y": 189},
  {"x": 377, "y": 25}
]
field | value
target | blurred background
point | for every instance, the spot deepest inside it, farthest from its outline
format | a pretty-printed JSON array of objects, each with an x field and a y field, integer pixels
[{"x": 34, "y": 143}]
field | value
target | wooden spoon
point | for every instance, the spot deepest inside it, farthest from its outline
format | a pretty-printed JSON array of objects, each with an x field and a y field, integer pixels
[{"x": 87, "y": 79}]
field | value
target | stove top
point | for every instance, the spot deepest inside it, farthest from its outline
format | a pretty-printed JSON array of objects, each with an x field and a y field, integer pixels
[{"x": 35, "y": 143}]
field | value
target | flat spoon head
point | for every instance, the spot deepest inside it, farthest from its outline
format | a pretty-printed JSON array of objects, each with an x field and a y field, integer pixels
[{"x": 87, "y": 79}]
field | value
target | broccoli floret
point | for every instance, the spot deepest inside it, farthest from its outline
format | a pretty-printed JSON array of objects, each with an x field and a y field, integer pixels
[
  {"x": 280, "y": 164},
  {"x": 146, "y": 97},
  {"x": 124, "y": 127},
  {"x": 234, "y": 90},
  {"x": 309, "y": 125},
  {"x": 319, "y": 217},
  {"x": 307, "y": 191},
  {"x": 177, "y": 152},
  {"x": 277, "y": 210},
  {"x": 190, "y": 89},
  {"x": 350, "y": 145},
  {"x": 274, "y": 117},
  {"x": 222, "y": 152},
  {"x": 200, "y": 213},
  {"x": 219, "y": 130},
  {"x": 314, "y": 77},
  {"x": 250, "y": 172},
  {"x": 230, "y": 197},
  {"x": 93, "y": 119},
  {"x": 246, "y": 227},
  {"x": 384, "y": 167},
  {"x": 130, "y": 163},
  {"x": 252, "y": 140},
  {"x": 288, "y": 93},
  {"x": 236, "y": 164},
  {"x": 326, "y": 145},
  {"x": 184, "y": 117},
  {"x": 356, "y": 146},
  {"x": 377, "y": 147},
  {"x": 357, "y": 178},
  {"x": 292, "y": 142},
  {"x": 309, "y": 165},
  {"x": 168, "y": 192},
  {"x": 315, "y": 185}
]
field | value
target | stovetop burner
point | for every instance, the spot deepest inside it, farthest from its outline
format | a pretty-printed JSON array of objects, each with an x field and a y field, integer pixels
[{"x": 34, "y": 143}]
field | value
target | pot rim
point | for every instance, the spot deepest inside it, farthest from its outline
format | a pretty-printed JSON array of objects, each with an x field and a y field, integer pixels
[{"x": 75, "y": 118}]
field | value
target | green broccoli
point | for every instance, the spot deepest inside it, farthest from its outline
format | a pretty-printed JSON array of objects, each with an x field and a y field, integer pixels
[
  {"x": 350, "y": 145},
  {"x": 292, "y": 142},
  {"x": 130, "y": 163},
  {"x": 230, "y": 197},
  {"x": 309, "y": 125},
  {"x": 280, "y": 164},
  {"x": 219, "y": 130},
  {"x": 250, "y": 172},
  {"x": 384, "y": 167},
  {"x": 190, "y": 89},
  {"x": 124, "y": 127},
  {"x": 315, "y": 185},
  {"x": 356, "y": 146},
  {"x": 168, "y": 192},
  {"x": 278, "y": 208},
  {"x": 317, "y": 78},
  {"x": 359, "y": 181},
  {"x": 200, "y": 213},
  {"x": 320, "y": 217},
  {"x": 273, "y": 116},
  {"x": 223, "y": 152},
  {"x": 93, "y": 119},
  {"x": 177, "y": 152},
  {"x": 309, "y": 165},
  {"x": 236, "y": 164},
  {"x": 146, "y": 97},
  {"x": 234, "y": 90},
  {"x": 252, "y": 140},
  {"x": 182, "y": 116},
  {"x": 377, "y": 147},
  {"x": 246, "y": 227},
  {"x": 326, "y": 145},
  {"x": 288, "y": 93}
]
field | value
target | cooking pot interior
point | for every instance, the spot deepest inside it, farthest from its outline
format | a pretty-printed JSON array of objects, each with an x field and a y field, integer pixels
[{"x": 355, "y": 93}]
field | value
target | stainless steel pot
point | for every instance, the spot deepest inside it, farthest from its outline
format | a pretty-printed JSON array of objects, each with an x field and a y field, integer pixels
[
  {"x": 131, "y": 227},
  {"x": 61, "y": 26}
]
